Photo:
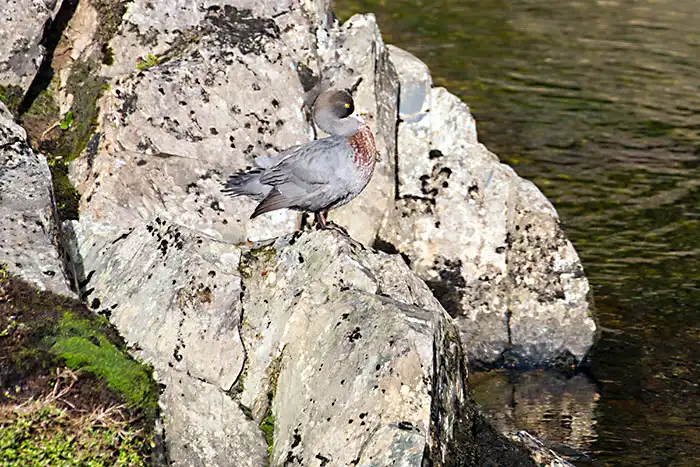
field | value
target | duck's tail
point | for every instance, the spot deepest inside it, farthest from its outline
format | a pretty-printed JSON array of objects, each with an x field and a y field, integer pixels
[{"x": 247, "y": 183}]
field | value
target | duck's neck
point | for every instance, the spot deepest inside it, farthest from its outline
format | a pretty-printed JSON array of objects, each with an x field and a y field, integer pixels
[{"x": 364, "y": 150}]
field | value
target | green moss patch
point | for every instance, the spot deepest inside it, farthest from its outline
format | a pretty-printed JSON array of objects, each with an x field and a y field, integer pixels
[
  {"x": 43, "y": 337},
  {"x": 85, "y": 347},
  {"x": 267, "y": 425},
  {"x": 149, "y": 62}
]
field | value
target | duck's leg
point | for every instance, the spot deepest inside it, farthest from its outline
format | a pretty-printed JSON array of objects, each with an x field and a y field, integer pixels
[
  {"x": 320, "y": 220},
  {"x": 323, "y": 224}
]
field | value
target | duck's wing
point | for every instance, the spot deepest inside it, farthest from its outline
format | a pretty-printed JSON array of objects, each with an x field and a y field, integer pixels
[
  {"x": 310, "y": 166},
  {"x": 267, "y": 161},
  {"x": 306, "y": 177}
]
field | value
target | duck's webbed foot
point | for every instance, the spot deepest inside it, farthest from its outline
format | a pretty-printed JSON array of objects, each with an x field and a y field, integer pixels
[{"x": 323, "y": 224}]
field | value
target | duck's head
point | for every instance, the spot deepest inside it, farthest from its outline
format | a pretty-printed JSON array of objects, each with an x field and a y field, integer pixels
[{"x": 334, "y": 113}]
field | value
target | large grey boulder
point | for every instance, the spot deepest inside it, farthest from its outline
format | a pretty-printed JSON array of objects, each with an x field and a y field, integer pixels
[
  {"x": 355, "y": 361},
  {"x": 22, "y": 27},
  {"x": 27, "y": 227},
  {"x": 487, "y": 241}
]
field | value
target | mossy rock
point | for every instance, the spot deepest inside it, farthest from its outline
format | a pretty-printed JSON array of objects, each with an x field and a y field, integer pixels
[{"x": 44, "y": 336}]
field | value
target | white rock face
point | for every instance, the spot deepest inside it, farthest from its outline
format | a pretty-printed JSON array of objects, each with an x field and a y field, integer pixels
[
  {"x": 27, "y": 228},
  {"x": 487, "y": 242},
  {"x": 22, "y": 25}
]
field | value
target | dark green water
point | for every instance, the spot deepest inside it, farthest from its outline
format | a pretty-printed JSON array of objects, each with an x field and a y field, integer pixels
[{"x": 597, "y": 102}]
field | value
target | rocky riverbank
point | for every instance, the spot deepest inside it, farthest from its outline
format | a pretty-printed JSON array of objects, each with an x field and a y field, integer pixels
[{"x": 268, "y": 345}]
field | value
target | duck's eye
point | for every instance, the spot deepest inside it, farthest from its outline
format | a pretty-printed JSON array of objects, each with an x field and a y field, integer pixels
[{"x": 347, "y": 109}]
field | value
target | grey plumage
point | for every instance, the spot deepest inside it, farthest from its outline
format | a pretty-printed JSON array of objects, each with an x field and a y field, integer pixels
[{"x": 316, "y": 176}]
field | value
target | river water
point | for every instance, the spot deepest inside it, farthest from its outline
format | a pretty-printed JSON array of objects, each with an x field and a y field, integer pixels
[{"x": 598, "y": 103}]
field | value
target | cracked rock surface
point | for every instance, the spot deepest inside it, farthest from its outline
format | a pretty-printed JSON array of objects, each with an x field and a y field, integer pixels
[
  {"x": 22, "y": 25},
  {"x": 27, "y": 228},
  {"x": 356, "y": 361}
]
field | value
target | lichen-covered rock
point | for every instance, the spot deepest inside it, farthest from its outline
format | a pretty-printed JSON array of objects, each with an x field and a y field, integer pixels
[
  {"x": 207, "y": 427},
  {"x": 487, "y": 242},
  {"x": 22, "y": 27},
  {"x": 354, "y": 362},
  {"x": 27, "y": 229},
  {"x": 174, "y": 294},
  {"x": 201, "y": 111}
]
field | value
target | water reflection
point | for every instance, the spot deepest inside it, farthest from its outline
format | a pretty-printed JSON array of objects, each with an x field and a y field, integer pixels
[
  {"x": 552, "y": 406},
  {"x": 598, "y": 102}
]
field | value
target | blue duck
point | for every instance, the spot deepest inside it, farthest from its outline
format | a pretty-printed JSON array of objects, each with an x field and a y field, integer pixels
[{"x": 317, "y": 176}]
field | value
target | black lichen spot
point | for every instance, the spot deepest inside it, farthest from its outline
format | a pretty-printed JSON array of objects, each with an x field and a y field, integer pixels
[
  {"x": 355, "y": 334},
  {"x": 239, "y": 28},
  {"x": 434, "y": 154},
  {"x": 445, "y": 172},
  {"x": 141, "y": 162},
  {"x": 214, "y": 205},
  {"x": 213, "y": 131},
  {"x": 92, "y": 146},
  {"x": 324, "y": 460},
  {"x": 128, "y": 105},
  {"x": 176, "y": 353},
  {"x": 95, "y": 304},
  {"x": 296, "y": 438},
  {"x": 404, "y": 425}
]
